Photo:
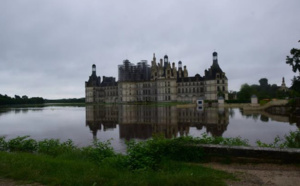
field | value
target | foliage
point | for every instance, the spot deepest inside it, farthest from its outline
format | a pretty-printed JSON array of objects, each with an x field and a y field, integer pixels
[
  {"x": 296, "y": 85},
  {"x": 206, "y": 139},
  {"x": 6, "y": 100},
  {"x": 262, "y": 91},
  {"x": 294, "y": 60},
  {"x": 22, "y": 144},
  {"x": 48, "y": 170},
  {"x": 99, "y": 151},
  {"x": 149, "y": 154},
  {"x": 3, "y": 144},
  {"x": 61, "y": 163},
  {"x": 264, "y": 101},
  {"x": 54, "y": 147},
  {"x": 292, "y": 140},
  {"x": 245, "y": 92}
]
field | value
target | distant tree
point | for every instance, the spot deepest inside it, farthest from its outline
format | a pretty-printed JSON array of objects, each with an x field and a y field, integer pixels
[
  {"x": 17, "y": 97},
  {"x": 263, "y": 91},
  {"x": 245, "y": 93},
  {"x": 263, "y": 82},
  {"x": 24, "y": 97},
  {"x": 232, "y": 95}
]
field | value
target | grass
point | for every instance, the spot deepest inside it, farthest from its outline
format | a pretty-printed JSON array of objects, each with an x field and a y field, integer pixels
[
  {"x": 154, "y": 162},
  {"x": 158, "y": 161},
  {"x": 61, "y": 171}
]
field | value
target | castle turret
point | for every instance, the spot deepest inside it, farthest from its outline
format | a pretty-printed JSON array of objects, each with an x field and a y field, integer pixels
[
  {"x": 180, "y": 69},
  {"x": 94, "y": 69},
  {"x": 166, "y": 60},
  {"x": 215, "y": 58},
  {"x": 185, "y": 72}
]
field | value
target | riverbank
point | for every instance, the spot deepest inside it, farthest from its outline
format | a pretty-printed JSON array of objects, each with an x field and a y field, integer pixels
[{"x": 158, "y": 161}]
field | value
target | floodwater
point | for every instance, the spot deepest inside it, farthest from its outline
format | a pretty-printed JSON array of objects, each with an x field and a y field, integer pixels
[{"x": 119, "y": 123}]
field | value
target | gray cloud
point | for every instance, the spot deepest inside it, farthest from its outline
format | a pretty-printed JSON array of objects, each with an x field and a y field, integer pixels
[{"x": 47, "y": 47}]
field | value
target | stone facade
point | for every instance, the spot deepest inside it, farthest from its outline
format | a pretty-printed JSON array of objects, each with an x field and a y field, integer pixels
[{"x": 162, "y": 82}]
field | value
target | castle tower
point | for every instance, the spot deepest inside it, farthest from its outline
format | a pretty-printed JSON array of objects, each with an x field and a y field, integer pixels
[{"x": 90, "y": 86}]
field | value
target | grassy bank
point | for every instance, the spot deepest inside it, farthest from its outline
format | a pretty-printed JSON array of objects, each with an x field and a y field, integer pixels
[
  {"x": 75, "y": 171},
  {"x": 154, "y": 162},
  {"x": 157, "y": 161}
]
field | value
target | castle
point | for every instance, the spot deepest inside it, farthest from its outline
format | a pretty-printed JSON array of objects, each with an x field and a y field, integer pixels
[{"x": 160, "y": 82}]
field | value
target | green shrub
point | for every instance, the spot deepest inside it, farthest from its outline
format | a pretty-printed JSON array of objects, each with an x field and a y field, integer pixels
[
  {"x": 264, "y": 101},
  {"x": 149, "y": 154},
  {"x": 206, "y": 139},
  {"x": 292, "y": 140},
  {"x": 22, "y": 144},
  {"x": 54, "y": 147},
  {"x": 3, "y": 144},
  {"x": 98, "y": 151}
]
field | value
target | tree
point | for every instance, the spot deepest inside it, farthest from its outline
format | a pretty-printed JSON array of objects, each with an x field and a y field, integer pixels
[
  {"x": 245, "y": 93},
  {"x": 294, "y": 61},
  {"x": 263, "y": 82}
]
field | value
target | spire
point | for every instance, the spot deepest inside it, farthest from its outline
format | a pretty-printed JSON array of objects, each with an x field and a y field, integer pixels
[
  {"x": 283, "y": 83},
  {"x": 154, "y": 58},
  {"x": 215, "y": 58},
  {"x": 94, "y": 69}
]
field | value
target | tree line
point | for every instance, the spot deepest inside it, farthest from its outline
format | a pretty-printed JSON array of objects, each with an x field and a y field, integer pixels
[
  {"x": 7, "y": 100},
  {"x": 264, "y": 90}
]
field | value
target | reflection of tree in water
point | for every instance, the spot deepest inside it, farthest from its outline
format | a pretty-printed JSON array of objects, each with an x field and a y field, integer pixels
[
  {"x": 231, "y": 113},
  {"x": 264, "y": 118},
  {"x": 255, "y": 117},
  {"x": 19, "y": 110},
  {"x": 295, "y": 119}
]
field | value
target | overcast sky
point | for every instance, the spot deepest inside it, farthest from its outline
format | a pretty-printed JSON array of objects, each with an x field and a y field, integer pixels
[{"x": 47, "y": 47}]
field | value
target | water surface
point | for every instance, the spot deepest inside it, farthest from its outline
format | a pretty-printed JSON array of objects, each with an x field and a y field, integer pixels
[{"x": 119, "y": 123}]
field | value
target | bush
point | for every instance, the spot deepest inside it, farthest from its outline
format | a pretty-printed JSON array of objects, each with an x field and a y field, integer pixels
[
  {"x": 98, "y": 151},
  {"x": 3, "y": 144},
  {"x": 54, "y": 147},
  {"x": 292, "y": 140},
  {"x": 22, "y": 144},
  {"x": 149, "y": 154}
]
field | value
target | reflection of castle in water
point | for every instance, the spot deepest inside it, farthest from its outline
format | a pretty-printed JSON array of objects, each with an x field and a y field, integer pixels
[{"x": 139, "y": 121}]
